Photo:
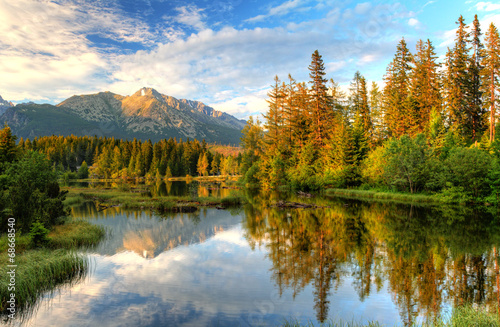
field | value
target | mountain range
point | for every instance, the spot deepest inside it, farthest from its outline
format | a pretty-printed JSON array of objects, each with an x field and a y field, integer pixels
[{"x": 146, "y": 114}]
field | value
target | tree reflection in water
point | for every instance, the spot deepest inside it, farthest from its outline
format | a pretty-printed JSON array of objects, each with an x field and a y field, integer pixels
[{"x": 428, "y": 256}]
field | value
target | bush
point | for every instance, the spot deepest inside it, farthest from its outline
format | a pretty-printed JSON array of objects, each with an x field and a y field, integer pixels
[
  {"x": 407, "y": 163},
  {"x": 32, "y": 191},
  {"x": 469, "y": 168},
  {"x": 38, "y": 234}
]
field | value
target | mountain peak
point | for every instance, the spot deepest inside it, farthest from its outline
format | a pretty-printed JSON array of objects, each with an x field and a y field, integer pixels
[{"x": 148, "y": 91}]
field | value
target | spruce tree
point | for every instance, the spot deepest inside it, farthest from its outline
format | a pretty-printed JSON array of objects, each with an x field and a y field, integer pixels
[
  {"x": 458, "y": 83},
  {"x": 396, "y": 92},
  {"x": 425, "y": 86},
  {"x": 321, "y": 103},
  {"x": 274, "y": 115},
  {"x": 491, "y": 75},
  {"x": 474, "y": 94}
]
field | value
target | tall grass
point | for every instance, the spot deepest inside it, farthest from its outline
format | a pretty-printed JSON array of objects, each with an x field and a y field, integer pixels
[
  {"x": 38, "y": 271},
  {"x": 76, "y": 234},
  {"x": 468, "y": 316},
  {"x": 402, "y": 197},
  {"x": 331, "y": 323},
  {"x": 464, "y": 316}
]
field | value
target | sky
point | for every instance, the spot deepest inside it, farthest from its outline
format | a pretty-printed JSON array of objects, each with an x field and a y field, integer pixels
[{"x": 223, "y": 53}]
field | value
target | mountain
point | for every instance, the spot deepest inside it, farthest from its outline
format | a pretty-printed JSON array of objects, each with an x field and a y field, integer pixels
[
  {"x": 146, "y": 114},
  {"x": 4, "y": 105}
]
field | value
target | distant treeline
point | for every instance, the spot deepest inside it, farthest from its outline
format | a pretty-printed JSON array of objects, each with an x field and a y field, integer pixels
[
  {"x": 113, "y": 158},
  {"x": 430, "y": 129}
]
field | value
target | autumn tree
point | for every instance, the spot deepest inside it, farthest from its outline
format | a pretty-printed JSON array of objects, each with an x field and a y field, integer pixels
[
  {"x": 396, "y": 92},
  {"x": 491, "y": 75},
  {"x": 425, "y": 86}
]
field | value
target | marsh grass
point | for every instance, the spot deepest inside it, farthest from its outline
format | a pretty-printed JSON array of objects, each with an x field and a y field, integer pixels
[
  {"x": 375, "y": 195},
  {"x": 468, "y": 316},
  {"x": 137, "y": 199},
  {"x": 331, "y": 323},
  {"x": 75, "y": 234},
  {"x": 41, "y": 269},
  {"x": 38, "y": 271},
  {"x": 464, "y": 316}
]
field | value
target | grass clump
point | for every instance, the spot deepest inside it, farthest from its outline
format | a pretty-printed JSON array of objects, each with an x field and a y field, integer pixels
[
  {"x": 331, "y": 323},
  {"x": 375, "y": 195},
  {"x": 38, "y": 271},
  {"x": 43, "y": 264},
  {"x": 468, "y": 316},
  {"x": 75, "y": 234}
]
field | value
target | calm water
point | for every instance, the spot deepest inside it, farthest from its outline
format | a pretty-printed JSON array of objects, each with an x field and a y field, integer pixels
[{"x": 259, "y": 265}]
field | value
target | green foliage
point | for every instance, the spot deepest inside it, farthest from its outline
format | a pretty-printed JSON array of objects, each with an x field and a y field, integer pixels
[
  {"x": 407, "y": 163},
  {"x": 83, "y": 172},
  {"x": 469, "y": 168},
  {"x": 251, "y": 176},
  {"x": 8, "y": 150},
  {"x": 38, "y": 234},
  {"x": 31, "y": 190},
  {"x": 373, "y": 167}
]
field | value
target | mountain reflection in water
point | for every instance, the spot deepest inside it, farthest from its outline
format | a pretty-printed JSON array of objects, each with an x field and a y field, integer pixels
[{"x": 259, "y": 265}]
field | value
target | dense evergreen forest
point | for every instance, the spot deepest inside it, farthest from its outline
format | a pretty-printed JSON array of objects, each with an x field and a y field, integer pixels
[
  {"x": 113, "y": 158},
  {"x": 430, "y": 129}
]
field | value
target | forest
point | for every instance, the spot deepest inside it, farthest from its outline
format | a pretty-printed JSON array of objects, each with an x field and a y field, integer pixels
[
  {"x": 430, "y": 129},
  {"x": 102, "y": 157}
]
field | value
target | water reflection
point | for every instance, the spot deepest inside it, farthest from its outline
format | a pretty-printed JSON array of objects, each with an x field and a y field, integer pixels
[
  {"x": 161, "y": 187},
  {"x": 261, "y": 264},
  {"x": 428, "y": 257}
]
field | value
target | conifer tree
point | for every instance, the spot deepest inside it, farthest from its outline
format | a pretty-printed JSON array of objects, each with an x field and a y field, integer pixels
[
  {"x": 376, "y": 113},
  {"x": 396, "y": 92},
  {"x": 8, "y": 150},
  {"x": 359, "y": 105},
  {"x": 425, "y": 85},
  {"x": 491, "y": 76},
  {"x": 321, "y": 103},
  {"x": 274, "y": 115},
  {"x": 458, "y": 82},
  {"x": 474, "y": 94}
]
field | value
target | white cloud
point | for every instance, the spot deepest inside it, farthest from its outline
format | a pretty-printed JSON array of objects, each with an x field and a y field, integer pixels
[
  {"x": 280, "y": 10},
  {"x": 191, "y": 16},
  {"x": 44, "y": 46},
  {"x": 487, "y": 6},
  {"x": 413, "y": 22},
  {"x": 55, "y": 59}
]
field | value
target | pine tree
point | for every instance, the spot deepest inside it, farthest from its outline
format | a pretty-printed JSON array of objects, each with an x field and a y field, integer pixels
[
  {"x": 474, "y": 94},
  {"x": 8, "y": 150},
  {"x": 274, "y": 115},
  {"x": 396, "y": 92},
  {"x": 321, "y": 103},
  {"x": 376, "y": 113},
  {"x": 458, "y": 82},
  {"x": 202, "y": 166},
  {"x": 425, "y": 85},
  {"x": 491, "y": 75},
  {"x": 359, "y": 105}
]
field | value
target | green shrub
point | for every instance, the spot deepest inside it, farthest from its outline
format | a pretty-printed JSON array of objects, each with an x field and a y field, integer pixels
[{"x": 38, "y": 234}]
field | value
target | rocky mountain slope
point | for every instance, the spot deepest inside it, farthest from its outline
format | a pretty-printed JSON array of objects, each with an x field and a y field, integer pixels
[
  {"x": 146, "y": 114},
  {"x": 4, "y": 105}
]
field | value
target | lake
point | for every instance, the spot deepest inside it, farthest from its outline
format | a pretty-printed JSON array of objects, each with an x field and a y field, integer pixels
[{"x": 259, "y": 264}]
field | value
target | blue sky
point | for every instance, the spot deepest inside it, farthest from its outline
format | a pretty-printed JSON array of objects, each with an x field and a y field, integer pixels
[{"x": 224, "y": 53}]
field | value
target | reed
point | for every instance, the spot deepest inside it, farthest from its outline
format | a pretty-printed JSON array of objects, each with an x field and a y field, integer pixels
[
  {"x": 38, "y": 271},
  {"x": 75, "y": 234}
]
